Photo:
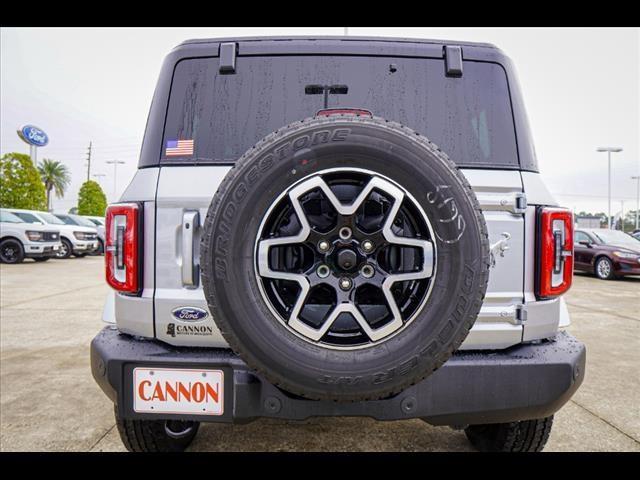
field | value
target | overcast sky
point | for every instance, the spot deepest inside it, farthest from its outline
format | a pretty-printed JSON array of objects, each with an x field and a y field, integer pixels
[{"x": 581, "y": 88}]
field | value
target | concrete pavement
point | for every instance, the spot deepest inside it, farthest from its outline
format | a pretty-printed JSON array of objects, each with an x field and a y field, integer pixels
[{"x": 48, "y": 400}]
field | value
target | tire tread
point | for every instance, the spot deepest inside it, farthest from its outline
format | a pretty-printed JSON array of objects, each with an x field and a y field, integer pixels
[
  {"x": 206, "y": 246},
  {"x": 148, "y": 436},
  {"x": 522, "y": 436}
]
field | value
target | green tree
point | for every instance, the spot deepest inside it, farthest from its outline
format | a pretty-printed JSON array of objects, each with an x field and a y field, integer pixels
[
  {"x": 91, "y": 199},
  {"x": 55, "y": 176},
  {"x": 20, "y": 184}
]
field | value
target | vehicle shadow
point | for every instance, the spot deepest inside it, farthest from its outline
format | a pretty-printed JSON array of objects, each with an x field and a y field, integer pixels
[{"x": 330, "y": 435}]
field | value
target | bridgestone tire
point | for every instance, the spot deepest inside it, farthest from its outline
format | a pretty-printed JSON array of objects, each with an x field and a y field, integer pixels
[
  {"x": 524, "y": 436},
  {"x": 229, "y": 270},
  {"x": 152, "y": 436}
]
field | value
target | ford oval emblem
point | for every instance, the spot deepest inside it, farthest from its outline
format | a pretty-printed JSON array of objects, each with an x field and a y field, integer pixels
[
  {"x": 34, "y": 136},
  {"x": 189, "y": 314}
]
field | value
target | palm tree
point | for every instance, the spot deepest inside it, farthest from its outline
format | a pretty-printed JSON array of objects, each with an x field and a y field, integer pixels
[{"x": 55, "y": 176}]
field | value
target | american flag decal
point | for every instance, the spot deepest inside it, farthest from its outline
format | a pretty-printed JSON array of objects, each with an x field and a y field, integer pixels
[{"x": 179, "y": 148}]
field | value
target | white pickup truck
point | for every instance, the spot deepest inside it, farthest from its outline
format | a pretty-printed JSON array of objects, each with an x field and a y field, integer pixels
[
  {"x": 20, "y": 240},
  {"x": 77, "y": 240}
]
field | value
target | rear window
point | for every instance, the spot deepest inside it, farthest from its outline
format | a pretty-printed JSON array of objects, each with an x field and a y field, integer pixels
[{"x": 214, "y": 118}]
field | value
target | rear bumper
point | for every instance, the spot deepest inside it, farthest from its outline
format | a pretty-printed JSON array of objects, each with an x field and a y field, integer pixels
[{"x": 520, "y": 383}]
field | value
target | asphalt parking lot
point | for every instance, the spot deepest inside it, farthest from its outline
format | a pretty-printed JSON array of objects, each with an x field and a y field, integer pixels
[{"x": 49, "y": 402}]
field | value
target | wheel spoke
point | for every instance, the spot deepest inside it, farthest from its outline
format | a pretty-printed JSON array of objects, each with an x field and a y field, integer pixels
[{"x": 346, "y": 301}]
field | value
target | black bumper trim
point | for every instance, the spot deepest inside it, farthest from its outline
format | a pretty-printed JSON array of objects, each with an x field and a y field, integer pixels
[{"x": 520, "y": 383}]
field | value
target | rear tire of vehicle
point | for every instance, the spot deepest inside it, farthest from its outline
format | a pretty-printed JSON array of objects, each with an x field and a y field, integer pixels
[
  {"x": 66, "y": 249},
  {"x": 232, "y": 281},
  {"x": 100, "y": 249},
  {"x": 11, "y": 251},
  {"x": 155, "y": 435},
  {"x": 41, "y": 259},
  {"x": 524, "y": 436},
  {"x": 604, "y": 269}
]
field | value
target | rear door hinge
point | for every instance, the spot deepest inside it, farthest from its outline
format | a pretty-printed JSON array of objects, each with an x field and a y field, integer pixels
[
  {"x": 514, "y": 202},
  {"x": 521, "y": 314},
  {"x": 453, "y": 60},
  {"x": 521, "y": 203}
]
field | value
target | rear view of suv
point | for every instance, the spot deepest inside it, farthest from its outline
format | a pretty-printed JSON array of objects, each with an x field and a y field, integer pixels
[{"x": 332, "y": 226}]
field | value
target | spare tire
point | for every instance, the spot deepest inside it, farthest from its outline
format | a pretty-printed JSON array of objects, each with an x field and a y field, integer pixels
[{"x": 344, "y": 258}]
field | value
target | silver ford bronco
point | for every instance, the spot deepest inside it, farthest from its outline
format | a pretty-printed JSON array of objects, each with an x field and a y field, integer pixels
[{"x": 337, "y": 226}]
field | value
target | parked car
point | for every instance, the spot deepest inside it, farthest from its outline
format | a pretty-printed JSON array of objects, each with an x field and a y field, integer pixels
[
  {"x": 607, "y": 253},
  {"x": 72, "y": 219},
  {"x": 293, "y": 245},
  {"x": 20, "y": 240},
  {"x": 99, "y": 223},
  {"x": 75, "y": 240}
]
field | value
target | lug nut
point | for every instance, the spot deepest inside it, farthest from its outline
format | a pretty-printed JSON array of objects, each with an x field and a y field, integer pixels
[
  {"x": 323, "y": 271},
  {"x": 367, "y": 271},
  {"x": 323, "y": 245},
  {"x": 367, "y": 246},
  {"x": 345, "y": 283}
]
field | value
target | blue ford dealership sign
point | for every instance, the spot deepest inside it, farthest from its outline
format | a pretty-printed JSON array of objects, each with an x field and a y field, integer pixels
[{"x": 34, "y": 136}]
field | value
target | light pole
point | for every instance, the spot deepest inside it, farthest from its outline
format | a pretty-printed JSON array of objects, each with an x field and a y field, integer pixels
[
  {"x": 98, "y": 176},
  {"x": 609, "y": 150},
  {"x": 637, "y": 179},
  {"x": 115, "y": 174}
]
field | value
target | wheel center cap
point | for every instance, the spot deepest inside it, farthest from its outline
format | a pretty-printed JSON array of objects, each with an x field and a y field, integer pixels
[{"x": 347, "y": 259}]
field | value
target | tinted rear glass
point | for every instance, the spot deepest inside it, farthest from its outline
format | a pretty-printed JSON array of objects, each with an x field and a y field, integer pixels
[{"x": 470, "y": 118}]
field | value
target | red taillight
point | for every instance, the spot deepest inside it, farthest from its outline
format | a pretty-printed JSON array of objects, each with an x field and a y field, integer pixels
[
  {"x": 122, "y": 249},
  {"x": 339, "y": 111},
  {"x": 555, "y": 251}
]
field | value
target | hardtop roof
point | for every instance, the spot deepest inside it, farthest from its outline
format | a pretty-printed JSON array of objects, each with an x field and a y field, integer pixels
[{"x": 320, "y": 38}]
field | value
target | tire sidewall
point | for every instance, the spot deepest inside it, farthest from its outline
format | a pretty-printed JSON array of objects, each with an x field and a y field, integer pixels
[
  {"x": 229, "y": 272},
  {"x": 69, "y": 246},
  {"x": 20, "y": 254},
  {"x": 604, "y": 259}
]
